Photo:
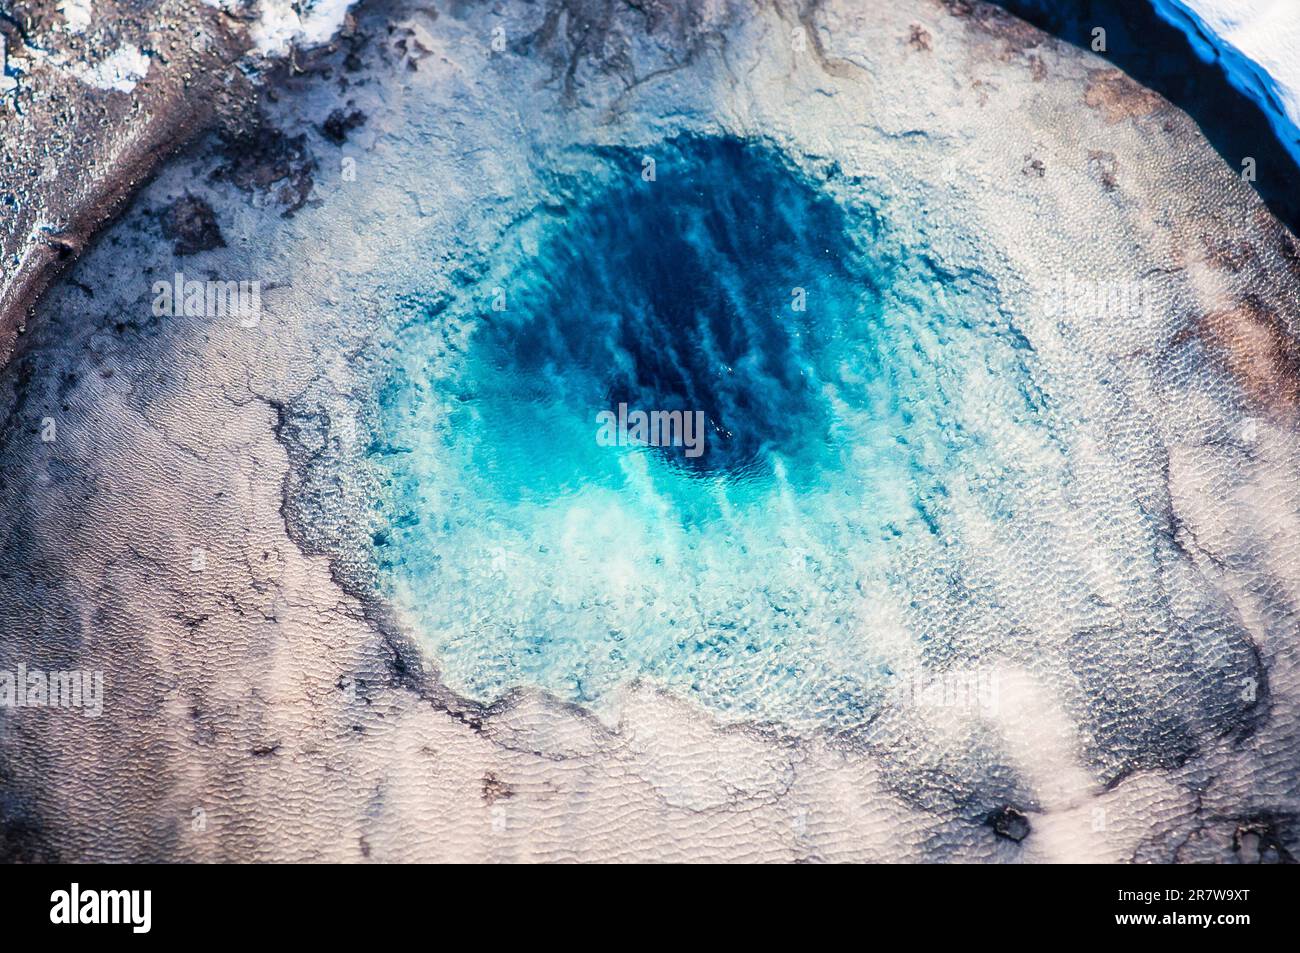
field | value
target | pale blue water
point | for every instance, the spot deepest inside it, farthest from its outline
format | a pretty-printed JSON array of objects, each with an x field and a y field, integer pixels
[{"x": 760, "y": 578}]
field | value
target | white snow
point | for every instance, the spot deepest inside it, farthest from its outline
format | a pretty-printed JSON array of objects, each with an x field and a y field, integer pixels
[
  {"x": 1258, "y": 44},
  {"x": 282, "y": 24},
  {"x": 8, "y": 84},
  {"x": 76, "y": 13},
  {"x": 120, "y": 71}
]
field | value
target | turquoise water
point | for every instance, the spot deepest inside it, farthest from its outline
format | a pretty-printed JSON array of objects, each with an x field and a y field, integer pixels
[{"x": 761, "y": 575}]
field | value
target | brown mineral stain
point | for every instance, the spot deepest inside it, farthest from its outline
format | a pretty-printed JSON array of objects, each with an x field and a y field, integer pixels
[
  {"x": 1258, "y": 351},
  {"x": 495, "y": 789},
  {"x": 1119, "y": 97},
  {"x": 1229, "y": 253},
  {"x": 1104, "y": 167},
  {"x": 1016, "y": 40}
]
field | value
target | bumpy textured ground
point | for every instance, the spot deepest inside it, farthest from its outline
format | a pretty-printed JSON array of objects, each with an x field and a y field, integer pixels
[{"x": 987, "y": 569}]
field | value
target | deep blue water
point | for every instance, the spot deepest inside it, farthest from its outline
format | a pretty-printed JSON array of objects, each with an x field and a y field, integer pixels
[
  {"x": 726, "y": 287},
  {"x": 841, "y": 382}
]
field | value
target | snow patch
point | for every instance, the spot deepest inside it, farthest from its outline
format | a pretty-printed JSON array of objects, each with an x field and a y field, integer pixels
[
  {"x": 1256, "y": 42},
  {"x": 120, "y": 71},
  {"x": 76, "y": 13},
  {"x": 282, "y": 24}
]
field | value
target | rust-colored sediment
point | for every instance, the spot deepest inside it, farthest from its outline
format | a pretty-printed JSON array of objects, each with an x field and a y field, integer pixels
[
  {"x": 1258, "y": 351},
  {"x": 1119, "y": 97}
]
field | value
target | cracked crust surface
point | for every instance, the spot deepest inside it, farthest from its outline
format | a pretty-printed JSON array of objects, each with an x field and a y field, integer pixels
[{"x": 262, "y": 704}]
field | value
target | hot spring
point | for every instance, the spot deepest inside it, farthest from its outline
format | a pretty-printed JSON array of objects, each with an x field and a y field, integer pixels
[{"x": 833, "y": 383}]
